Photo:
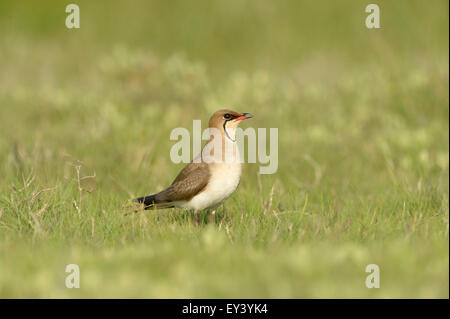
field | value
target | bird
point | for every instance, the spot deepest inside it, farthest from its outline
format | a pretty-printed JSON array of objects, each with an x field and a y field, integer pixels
[{"x": 211, "y": 177}]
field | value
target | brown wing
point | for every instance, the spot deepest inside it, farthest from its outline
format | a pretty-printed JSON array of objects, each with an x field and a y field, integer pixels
[{"x": 190, "y": 181}]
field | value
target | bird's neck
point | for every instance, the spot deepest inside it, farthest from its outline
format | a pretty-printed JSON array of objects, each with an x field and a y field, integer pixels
[
  {"x": 222, "y": 148},
  {"x": 230, "y": 133}
]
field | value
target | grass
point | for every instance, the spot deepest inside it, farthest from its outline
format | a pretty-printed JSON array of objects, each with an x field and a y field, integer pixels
[{"x": 363, "y": 174}]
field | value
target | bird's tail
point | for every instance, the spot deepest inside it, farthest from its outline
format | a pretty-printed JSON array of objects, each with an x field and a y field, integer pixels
[{"x": 152, "y": 202}]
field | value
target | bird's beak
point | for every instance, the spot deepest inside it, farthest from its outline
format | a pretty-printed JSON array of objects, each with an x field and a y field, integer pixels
[{"x": 244, "y": 117}]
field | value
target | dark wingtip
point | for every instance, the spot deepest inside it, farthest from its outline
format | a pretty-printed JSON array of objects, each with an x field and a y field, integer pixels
[{"x": 148, "y": 201}]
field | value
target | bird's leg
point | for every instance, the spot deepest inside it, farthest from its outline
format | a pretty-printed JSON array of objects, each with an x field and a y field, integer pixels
[
  {"x": 212, "y": 216},
  {"x": 195, "y": 217}
]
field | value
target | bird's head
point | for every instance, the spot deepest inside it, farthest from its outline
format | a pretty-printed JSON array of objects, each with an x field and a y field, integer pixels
[{"x": 227, "y": 121}]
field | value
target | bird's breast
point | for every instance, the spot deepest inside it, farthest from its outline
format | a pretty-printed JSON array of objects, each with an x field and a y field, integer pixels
[{"x": 224, "y": 180}]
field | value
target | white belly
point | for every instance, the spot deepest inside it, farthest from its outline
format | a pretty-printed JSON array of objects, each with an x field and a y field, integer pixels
[{"x": 223, "y": 182}]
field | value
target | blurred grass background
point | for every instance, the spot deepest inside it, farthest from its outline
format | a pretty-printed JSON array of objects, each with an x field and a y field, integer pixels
[{"x": 363, "y": 148}]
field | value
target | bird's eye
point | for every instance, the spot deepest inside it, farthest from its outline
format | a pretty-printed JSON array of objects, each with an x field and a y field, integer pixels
[{"x": 227, "y": 116}]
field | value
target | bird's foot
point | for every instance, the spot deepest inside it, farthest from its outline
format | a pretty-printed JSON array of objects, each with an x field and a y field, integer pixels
[
  {"x": 212, "y": 217},
  {"x": 196, "y": 218}
]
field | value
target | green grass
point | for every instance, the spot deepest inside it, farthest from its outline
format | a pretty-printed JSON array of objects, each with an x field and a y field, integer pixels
[{"x": 363, "y": 175}]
